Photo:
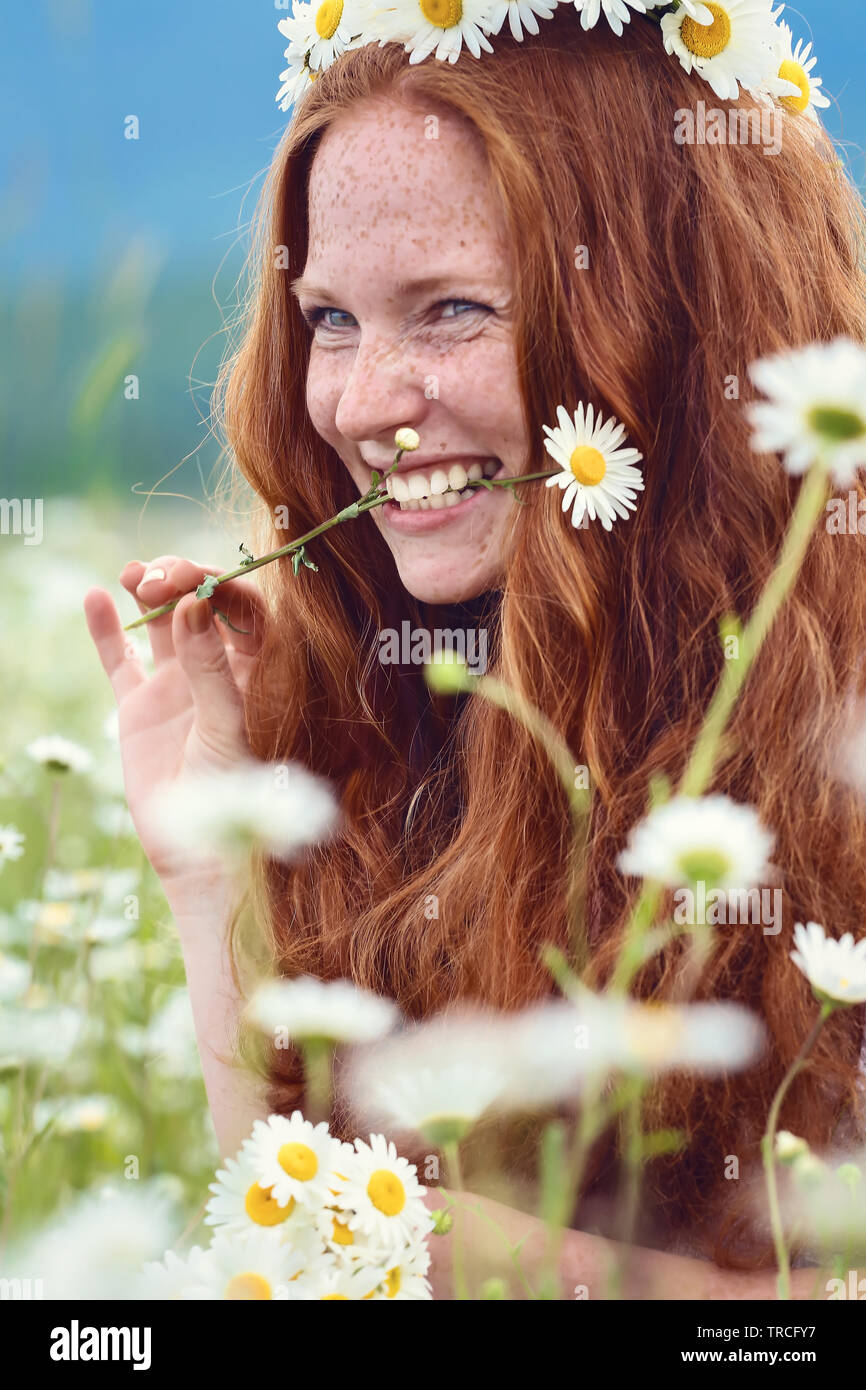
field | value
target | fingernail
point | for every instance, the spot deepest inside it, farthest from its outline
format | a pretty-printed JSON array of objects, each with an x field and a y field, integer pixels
[
  {"x": 150, "y": 576},
  {"x": 198, "y": 616}
]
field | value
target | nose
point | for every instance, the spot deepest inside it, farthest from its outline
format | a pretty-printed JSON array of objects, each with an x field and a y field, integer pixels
[{"x": 384, "y": 390}]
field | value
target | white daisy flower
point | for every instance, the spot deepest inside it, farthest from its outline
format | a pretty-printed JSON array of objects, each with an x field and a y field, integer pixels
[
  {"x": 440, "y": 1098},
  {"x": 295, "y": 80},
  {"x": 795, "y": 67},
  {"x": 705, "y": 839},
  {"x": 816, "y": 407},
  {"x": 320, "y": 31},
  {"x": 383, "y": 1193},
  {"x": 57, "y": 754},
  {"x": 355, "y": 1281},
  {"x": 44, "y": 1034},
  {"x": 240, "y": 1203},
  {"x": 11, "y": 844},
  {"x": 404, "y": 1279},
  {"x": 14, "y": 978},
  {"x": 836, "y": 969},
  {"x": 294, "y": 1158},
  {"x": 280, "y": 808},
  {"x": 598, "y": 474},
  {"x": 171, "y": 1277},
  {"x": 248, "y": 1268},
  {"x": 440, "y": 27},
  {"x": 333, "y": 1011},
  {"x": 616, "y": 12},
  {"x": 521, "y": 14},
  {"x": 641, "y": 1039},
  {"x": 347, "y": 1246},
  {"x": 735, "y": 48}
]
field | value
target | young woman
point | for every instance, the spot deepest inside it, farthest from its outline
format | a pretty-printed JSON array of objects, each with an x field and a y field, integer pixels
[{"x": 459, "y": 248}]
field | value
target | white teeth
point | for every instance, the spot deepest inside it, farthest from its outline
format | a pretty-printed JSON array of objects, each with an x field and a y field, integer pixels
[
  {"x": 424, "y": 503},
  {"x": 418, "y": 485},
  {"x": 451, "y": 499},
  {"x": 400, "y": 488},
  {"x": 412, "y": 505},
  {"x": 438, "y": 481},
  {"x": 438, "y": 501},
  {"x": 469, "y": 492},
  {"x": 475, "y": 471},
  {"x": 457, "y": 476}
]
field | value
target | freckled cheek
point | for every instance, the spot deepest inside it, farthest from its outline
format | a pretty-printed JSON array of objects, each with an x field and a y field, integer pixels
[
  {"x": 482, "y": 388},
  {"x": 325, "y": 382}
]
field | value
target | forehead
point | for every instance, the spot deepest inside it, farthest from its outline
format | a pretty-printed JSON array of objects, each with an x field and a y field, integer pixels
[{"x": 383, "y": 191}]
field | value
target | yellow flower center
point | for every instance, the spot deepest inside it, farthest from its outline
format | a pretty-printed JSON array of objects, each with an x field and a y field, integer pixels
[
  {"x": 386, "y": 1192},
  {"x": 299, "y": 1161},
  {"x": 707, "y": 40},
  {"x": 332, "y": 1297},
  {"x": 443, "y": 13},
  {"x": 341, "y": 1233},
  {"x": 245, "y": 1287},
  {"x": 261, "y": 1207},
  {"x": 393, "y": 1281},
  {"x": 328, "y": 17},
  {"x": 588, "y": 465},
  {"x": 792, "y": 72}
]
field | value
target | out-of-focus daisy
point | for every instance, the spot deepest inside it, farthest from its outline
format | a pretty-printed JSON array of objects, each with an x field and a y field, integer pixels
[
  {"x": 795, "y": 66},
  {"x": 435, "y": 26},
  {"x": 294, "y": 1158},
  {"x": 96, "y": 1249},
  {"x": 790, "y": 1147},
  {"x": 521, "y": 14},
  {"x": 816, "y": 407},
  {"x": 334, "y": 1011},
  {"x": 57, "y": 754},
  {"x": 247, "y": 1268},
  {"x": 11, "y": 844},
  {"x": 383, "y": 1193},
  {"x": 171, "y": 1277},
  {"x": 14, "y": 978},
  {"x": 620, "y": 1034},
  {"x": 46, "y": 1034},
  {"x": 433, "y": 1083},
  {"x": 598, "y": 474},
  {"x": 735, "y": 48},
  {"x": 709, "y": 839},
  {"x": 836, "y": 969},
  {"x": 826, "y": 1204},
  {"x": 279, "y": 808},
  {"x": 241, "y": 1203},
  {"x": 405, "y": 1278},
  {"x": 295, "y": 80},
  {"x": 75, "y": 1114},
  {"x": 321, "y": 31}
]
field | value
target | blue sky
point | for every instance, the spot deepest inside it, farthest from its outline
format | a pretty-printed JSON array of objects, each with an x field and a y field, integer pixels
[{"x": 201, "y": 77}]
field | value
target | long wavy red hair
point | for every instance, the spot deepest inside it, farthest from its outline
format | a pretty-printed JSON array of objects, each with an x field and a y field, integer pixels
[{"x": 701, "y": 259}]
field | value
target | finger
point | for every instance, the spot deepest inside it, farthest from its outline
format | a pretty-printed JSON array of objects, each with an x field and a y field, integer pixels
[
  {"x": 240, "y": 600},
  {"x": 155, "y": 591},
  {"x": 116, "y": 652},
  {"x": 217, "y": 701}
]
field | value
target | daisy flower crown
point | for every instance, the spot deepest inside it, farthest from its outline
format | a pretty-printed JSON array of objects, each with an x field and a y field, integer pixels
[{"x": 731, "y": 44}]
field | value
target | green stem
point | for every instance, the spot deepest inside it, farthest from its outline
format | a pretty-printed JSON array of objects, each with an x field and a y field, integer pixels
[
  {"x": 373, "y": 499},
  {"x": 452, "y": 1159},
  {"x": 768, "y": 1146}
]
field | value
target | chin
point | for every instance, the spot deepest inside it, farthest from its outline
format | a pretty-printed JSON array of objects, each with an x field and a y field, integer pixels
[{"x": 444, "y": 588}]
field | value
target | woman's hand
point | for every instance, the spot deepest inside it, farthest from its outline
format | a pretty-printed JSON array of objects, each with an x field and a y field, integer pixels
[{"x": 188, "y": 716}]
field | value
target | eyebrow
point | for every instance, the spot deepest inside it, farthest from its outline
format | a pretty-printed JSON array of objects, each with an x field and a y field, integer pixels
[{"x": 404, "y": 288}]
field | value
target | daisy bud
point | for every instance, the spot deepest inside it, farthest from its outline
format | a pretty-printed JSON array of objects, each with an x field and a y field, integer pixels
[
  {"x": 850, "y": 1174},
  {"x": 407, "y": 440},
  {"x": 789, "y": 1147},
  {"x": 494, "y": 1290},
  {"x": 447, "y": 674},
  {"x": 442, "y": 1222}
]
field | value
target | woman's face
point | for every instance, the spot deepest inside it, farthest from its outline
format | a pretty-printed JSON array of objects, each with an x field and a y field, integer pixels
[{"x": 408, "y": 285}]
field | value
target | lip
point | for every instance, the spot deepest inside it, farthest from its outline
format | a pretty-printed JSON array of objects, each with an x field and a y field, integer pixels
[{"x": 418, "y": 523}]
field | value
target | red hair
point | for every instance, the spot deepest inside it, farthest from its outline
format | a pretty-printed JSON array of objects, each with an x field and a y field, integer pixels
[{"x": 701, "y": 259}]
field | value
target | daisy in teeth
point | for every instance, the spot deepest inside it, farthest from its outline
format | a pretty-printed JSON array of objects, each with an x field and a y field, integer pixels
[
  {"x": 294, "y": 1158},
  {"x": 735, "y": 48},
  {"x": 598, "y": 474},
  {"x": 434, "y": 488},
  {"x": 383, "y": 1194},
  {"x": 795, "y": 66},
  {"x": 435, "y": 26}
]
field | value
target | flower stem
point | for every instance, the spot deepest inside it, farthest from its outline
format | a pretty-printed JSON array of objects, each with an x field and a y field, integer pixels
[
  {"x": 455, "y": 1178},
  {"x": 768, "y": 1144}
]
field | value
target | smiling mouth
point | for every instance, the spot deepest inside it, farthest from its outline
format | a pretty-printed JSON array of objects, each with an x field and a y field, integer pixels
[{"x": 437, "y": 488}]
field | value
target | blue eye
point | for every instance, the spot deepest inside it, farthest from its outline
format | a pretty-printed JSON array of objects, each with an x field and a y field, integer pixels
[
  {"x": 317, "y": 315},
  {"x": 469, "y": 303}
]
